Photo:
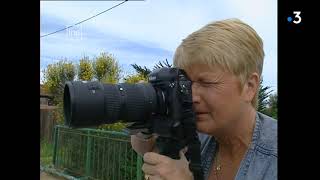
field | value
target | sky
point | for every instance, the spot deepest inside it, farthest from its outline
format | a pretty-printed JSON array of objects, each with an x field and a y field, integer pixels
[{"x": 146, "y": 32}]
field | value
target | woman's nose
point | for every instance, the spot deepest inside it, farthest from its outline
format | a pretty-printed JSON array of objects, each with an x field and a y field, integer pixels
[{"x": 195, "y": 94}]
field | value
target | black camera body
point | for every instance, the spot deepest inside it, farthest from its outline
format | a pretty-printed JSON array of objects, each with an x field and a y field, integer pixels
[
  {"x": 162, "y": 106},
  {"x": 174, "y": 96}
]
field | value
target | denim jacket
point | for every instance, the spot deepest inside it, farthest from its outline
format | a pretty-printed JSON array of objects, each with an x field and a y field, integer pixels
[{"x": 259, "y": 162}]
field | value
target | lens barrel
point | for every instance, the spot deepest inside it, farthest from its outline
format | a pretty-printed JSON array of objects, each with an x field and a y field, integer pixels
[{"x": 90, "y": 104}]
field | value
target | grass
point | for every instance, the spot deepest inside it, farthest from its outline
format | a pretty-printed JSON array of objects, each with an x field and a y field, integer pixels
[{"x": 46, "y": 153}]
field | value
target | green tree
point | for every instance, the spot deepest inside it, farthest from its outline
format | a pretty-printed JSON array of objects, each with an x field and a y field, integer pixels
[
  {"x": 264, "y": 93},
  {"x": 85, "y": 69},
  {"x": 55, "y": 77},
  {"x": 142, "y": 71},
  {"x": 145, "y": 71},
  {"x": 106, "y": 69},
  {"x": 273, "y": 106},
  {"x": 162, "y": 64},
  {"x": 135, "y": 78}
]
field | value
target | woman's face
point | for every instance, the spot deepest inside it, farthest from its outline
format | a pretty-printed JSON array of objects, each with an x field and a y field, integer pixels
[{"x": 217, "y": 98}]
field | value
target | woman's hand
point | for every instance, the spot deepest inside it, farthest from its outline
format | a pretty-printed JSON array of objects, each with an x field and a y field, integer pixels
[
  {"x": 142, "y": 144},
  {"x": 158, "y": 167}
]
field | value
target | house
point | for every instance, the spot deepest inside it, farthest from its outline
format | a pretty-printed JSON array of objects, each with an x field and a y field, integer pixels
[{"x": 45, "y": 99}]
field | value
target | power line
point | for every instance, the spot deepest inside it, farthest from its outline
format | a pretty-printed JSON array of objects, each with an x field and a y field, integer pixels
[{"x": 84, "y": 20}]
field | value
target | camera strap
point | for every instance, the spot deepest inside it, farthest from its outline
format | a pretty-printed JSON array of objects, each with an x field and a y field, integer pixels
[
  {"x": 193, "y": 153},
  {"x": 188, "y": 121}
]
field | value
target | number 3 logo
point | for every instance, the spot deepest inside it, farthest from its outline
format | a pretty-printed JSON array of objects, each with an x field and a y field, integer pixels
[{"x": 297, "y": 19}]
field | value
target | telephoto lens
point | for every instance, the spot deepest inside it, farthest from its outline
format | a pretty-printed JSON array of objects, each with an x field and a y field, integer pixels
[{"x": 90, "y": 104}]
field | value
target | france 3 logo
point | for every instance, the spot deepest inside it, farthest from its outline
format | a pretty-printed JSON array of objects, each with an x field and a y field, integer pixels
[{"x": 296, "y": 19}]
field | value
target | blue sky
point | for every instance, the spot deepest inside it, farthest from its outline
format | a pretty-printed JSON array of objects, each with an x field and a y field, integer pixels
[{"x": 145, "y": 32}]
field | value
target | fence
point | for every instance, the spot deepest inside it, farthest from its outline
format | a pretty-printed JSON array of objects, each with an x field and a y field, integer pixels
[
  {"x": 95, "y": 154},
  {"x": 47, "y": 122}
]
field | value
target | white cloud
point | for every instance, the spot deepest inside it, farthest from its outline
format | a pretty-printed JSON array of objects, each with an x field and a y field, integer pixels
[{"x": 160, "y": 24}]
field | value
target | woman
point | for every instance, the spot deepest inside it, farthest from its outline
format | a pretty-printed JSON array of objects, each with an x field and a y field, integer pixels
[{"x": 224, "y": 60}]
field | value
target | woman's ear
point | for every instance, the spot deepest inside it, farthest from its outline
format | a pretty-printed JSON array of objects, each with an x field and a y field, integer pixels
[{"x": 251, "y": 87}]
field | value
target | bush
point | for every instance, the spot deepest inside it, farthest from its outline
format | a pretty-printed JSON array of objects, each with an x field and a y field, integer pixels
[
  {"x": 119, "y": 126},
  {"x": 46, "y": 152}
]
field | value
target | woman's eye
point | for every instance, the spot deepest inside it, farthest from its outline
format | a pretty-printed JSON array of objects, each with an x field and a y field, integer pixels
[{"x": 207, "y": 84}]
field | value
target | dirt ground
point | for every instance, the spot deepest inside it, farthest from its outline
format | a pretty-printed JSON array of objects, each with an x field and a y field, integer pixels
[{"x": 46, "y": 176}]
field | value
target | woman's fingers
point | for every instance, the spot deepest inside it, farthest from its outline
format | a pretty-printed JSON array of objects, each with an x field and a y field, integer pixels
[
  {"x": 182, "y": 154},
  {"x": 149, "y": 169},
  {"x": 155, "y": 158},
  {"x": 152, "y": 177}
]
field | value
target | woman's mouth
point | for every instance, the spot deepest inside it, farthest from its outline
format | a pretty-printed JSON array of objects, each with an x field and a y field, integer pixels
[{"x": 201, "y": 115}]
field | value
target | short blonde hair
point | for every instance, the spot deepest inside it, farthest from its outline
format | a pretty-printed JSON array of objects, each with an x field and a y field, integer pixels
[{"x": 229, "y": 44}]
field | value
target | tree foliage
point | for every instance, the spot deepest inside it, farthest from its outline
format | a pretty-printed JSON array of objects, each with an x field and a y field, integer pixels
[
  {"x": 272, "y": 109},
  {"x": 106, "y": 69},
  {"x": 135, "y": 78},
  {"x": 142, "y": 71},
  {"x": 162, "y": 64},
  {"x": 85, "y": 69},
  {"x": 56, "y": 75},
  {"x": 267, "y": 102},
  {"x": 264, "y": 93}
]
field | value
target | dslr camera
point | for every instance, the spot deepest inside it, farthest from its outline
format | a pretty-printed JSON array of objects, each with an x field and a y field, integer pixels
[{"x": 161, "y": 106}]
